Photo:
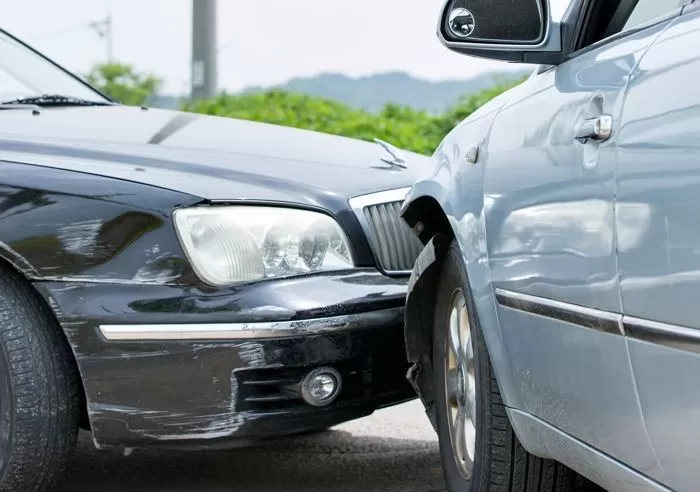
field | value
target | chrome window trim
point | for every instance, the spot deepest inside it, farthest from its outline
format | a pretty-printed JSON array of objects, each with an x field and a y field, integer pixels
[{"x": 358, "y": 204}]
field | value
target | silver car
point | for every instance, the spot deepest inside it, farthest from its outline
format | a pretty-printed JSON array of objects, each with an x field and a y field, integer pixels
[{"x": 553, "y": 318}]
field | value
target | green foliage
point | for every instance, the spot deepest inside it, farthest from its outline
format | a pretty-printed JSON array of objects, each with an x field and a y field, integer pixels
[
  {"x": 123, "y": 83},
  {"x": 468, "y": 104},
  {"x": 402, "y": 126}
]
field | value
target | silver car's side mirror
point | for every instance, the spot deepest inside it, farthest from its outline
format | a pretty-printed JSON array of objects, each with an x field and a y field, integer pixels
[
  {"x": 521, "y": 22},
  {"x": 520, "y": 31}
]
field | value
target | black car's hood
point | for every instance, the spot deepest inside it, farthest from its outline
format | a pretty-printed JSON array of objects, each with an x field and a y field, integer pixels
[{"x": 210, "y": 157}]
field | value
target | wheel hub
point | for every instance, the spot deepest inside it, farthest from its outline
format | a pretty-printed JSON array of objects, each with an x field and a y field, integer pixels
[{"x": 461, "y": 386}]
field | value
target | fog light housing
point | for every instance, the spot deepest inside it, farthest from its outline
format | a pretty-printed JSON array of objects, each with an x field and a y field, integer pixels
[{"x": 321, "y": 386}]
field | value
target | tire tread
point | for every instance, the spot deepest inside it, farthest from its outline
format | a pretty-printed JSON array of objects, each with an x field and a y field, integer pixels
[
  {"x": 45, "y": 386},
  {"x": 505, "y": 465}
]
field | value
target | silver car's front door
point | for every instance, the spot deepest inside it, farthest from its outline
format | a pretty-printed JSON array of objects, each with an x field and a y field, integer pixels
[
  {"x": 658, "y": 228},
  {"x": 549, "y": 199}
]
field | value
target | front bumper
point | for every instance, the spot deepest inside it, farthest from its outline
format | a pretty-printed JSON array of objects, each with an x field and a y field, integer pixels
[{"x": 178, "y": 366}]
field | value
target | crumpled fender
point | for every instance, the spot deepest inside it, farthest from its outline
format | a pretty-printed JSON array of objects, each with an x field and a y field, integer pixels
[
  {"x": 455, "y": 185},
  {"x": 418, "y": 320}
]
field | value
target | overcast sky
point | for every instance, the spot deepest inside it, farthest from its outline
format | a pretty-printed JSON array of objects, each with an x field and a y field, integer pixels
[{"x": 262, "y": 42}]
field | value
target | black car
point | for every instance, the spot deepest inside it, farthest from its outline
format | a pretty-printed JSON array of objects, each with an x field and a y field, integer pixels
[{"x": 176, "y": 279}]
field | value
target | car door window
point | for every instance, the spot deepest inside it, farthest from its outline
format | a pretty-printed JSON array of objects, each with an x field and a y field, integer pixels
[
  {"x": 647, "y": 10},
  {"x": 609, "y": 18}
]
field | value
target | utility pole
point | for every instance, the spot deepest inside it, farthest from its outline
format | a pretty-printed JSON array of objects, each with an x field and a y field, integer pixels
[
  {"x": 204, "y": 69},
  {"x": 103, "y": 28}
]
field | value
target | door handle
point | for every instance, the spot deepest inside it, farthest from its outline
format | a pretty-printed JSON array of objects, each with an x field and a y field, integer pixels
[{"x": 598, "y": 129}]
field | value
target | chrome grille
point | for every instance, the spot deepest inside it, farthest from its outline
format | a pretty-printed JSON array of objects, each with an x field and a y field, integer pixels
[{"x": 394, "y": 244}]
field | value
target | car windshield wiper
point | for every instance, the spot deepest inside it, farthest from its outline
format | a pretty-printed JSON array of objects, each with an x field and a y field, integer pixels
[{"x": 48, "y": 100}]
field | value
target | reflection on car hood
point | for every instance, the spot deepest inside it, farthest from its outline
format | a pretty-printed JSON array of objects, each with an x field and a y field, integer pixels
[{"x": 212, "y": 157}]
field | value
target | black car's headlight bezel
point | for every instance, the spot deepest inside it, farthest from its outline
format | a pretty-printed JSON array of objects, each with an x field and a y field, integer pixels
[{"x": 232, "y": 244}]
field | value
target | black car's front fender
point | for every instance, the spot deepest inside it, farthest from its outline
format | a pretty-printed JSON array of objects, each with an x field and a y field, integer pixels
[{"x": 58, "y": 225}]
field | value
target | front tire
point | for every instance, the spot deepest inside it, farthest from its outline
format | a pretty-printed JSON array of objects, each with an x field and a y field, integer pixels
[
  {"x": 478, "y": 447},
  {"x": 39, "y": 398}
]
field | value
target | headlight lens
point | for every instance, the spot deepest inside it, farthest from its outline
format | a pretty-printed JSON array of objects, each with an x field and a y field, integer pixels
[{"x": 232, "y": 244}]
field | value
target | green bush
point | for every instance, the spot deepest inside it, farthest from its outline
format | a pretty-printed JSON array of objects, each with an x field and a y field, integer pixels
[
  {"x": 402, "y": 126},
  {"x": 122, "y": 83}
]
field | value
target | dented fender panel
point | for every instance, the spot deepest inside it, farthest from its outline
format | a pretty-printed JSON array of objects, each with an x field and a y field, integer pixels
[
  {"x": 74, "y": 227},
  {"x": 421, "y": 287},
  {"x": 418, "y": 323},
  {"x": 456, "y": 185}
]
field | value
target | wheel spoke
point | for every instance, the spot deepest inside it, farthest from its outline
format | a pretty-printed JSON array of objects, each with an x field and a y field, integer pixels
[
  {"x": 458, "y": 436},
  {"x": 464, "y": 328},
  {"x": 471, "y": 394},
  {"x": 469, "y": 351},
  {"x": 453, "y": 335},
  {"x": 469, "y": 439}
]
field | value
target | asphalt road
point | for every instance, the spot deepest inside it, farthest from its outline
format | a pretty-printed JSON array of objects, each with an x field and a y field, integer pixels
[{"x": 393, "y": 450}]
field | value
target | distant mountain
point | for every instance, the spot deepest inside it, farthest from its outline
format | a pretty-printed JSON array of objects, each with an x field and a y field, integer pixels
[{"x": 372, "y": 92}]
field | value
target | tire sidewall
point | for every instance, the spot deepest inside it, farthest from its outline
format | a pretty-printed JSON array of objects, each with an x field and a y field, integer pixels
[
  {"x": 453, "y": 276},
  {"x": 6, "y": 412}
]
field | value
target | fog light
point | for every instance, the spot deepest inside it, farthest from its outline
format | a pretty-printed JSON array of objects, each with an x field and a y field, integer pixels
[{"x": 321, "y": 386}]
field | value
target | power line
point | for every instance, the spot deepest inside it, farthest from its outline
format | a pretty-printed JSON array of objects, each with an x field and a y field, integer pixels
[
  {"x": 103, "y": 28},
  {"x": 63, "y": 30}
]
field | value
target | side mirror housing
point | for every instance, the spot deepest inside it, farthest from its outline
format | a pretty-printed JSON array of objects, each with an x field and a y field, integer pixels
[{"x": 521, "y": 31}]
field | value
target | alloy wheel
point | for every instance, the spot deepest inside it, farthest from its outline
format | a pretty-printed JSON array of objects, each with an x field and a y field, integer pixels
[{"x": 460, "y": 385}]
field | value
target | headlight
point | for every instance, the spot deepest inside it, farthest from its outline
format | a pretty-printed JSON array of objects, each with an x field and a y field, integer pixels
[{"x": 232, "y": 244}]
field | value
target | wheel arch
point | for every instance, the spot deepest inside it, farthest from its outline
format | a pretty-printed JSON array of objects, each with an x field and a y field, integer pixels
[
  {"x": 432, "y": 223},
  {"x": 427, "y": 211},
  {"x": 10, "y": 258},
  {"x": 16, "y": 265}
]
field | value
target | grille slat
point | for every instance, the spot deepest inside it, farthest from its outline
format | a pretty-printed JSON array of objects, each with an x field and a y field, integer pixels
[
  {"x": 396, "y": 246},
  {"x": 404, "y": 245},
  {"x": 394, "y": 235},
  {"x": 374, "y": 219}
]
